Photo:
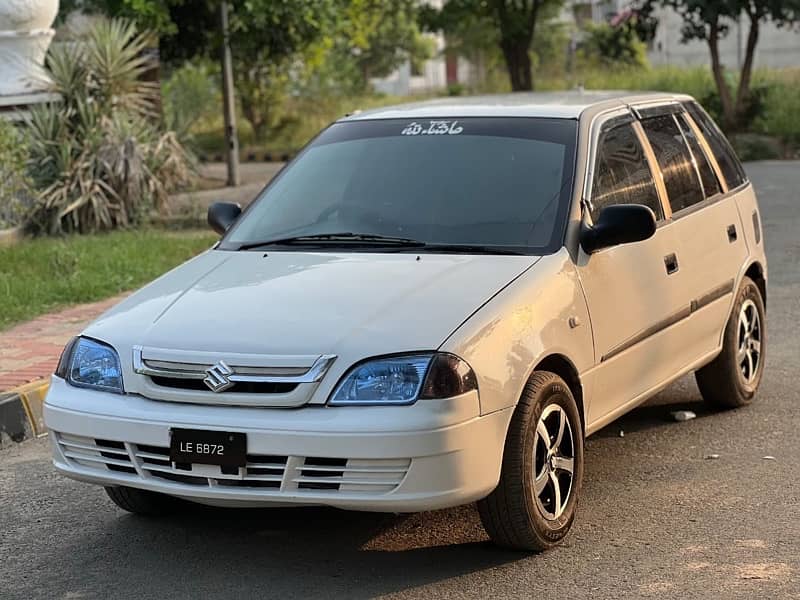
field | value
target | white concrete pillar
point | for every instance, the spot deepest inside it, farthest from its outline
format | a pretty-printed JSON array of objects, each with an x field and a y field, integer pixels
[{"x": 25, "y": 35}]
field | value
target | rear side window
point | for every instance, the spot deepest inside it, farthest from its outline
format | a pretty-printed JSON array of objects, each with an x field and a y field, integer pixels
[
  {"x": 730, "y": 166},
  {"x": 675, "y": 160},
  {"x": 707, "y": 176},
  {"x": 622, "y": 174}
]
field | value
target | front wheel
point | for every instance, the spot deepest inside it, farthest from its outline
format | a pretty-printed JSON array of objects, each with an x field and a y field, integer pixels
[
  {"x": 533, "y": 506},
  {"x": 731, "y": 379}
]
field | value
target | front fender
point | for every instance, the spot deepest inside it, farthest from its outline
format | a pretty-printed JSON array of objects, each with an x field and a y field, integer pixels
[{"x": 543, "y": 312}]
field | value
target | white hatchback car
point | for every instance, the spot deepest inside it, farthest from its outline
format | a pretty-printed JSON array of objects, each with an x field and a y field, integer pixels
[{"x": 433, "y": 304}]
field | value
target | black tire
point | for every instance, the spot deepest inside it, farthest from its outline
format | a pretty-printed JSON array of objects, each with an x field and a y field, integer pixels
[
  {"x": 142, "y": 502},
  {"x": 724, "y": 383},
  {"x": 513, "y": 515}
]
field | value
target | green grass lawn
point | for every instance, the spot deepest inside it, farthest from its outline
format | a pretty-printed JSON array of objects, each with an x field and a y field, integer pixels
[{"x": 41, "y": 275}]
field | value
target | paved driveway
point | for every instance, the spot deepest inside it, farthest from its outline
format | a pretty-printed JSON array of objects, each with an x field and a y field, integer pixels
[{"x": 657, "y": 519}]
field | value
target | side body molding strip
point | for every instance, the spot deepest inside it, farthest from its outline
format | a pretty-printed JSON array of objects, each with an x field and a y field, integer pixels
[{"x": 711, "y": 296}]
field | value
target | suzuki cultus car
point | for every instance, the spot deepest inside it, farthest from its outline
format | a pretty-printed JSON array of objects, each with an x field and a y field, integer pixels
[{"x": 433, "y": 304}]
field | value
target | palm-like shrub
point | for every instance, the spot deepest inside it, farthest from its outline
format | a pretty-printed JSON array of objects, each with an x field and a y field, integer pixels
[{"x": 98, "y": 157}]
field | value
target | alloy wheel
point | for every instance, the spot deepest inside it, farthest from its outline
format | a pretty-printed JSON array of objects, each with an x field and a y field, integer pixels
[
  {"x": 748, "y": 355},
  {"x": 553, "y": 462}
]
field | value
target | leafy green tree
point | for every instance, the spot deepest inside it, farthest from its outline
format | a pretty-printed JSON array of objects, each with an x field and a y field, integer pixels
[
  {"x": 267, "y": 37},
  {"x": 366, "y": 38},
  {"x": 611, "y": 46},
  {"x": 710, "y": 20},
  {"x": 514, "y": 22},
  {"x": 190, "y": 28},
  {"x": 279, "y": 45},
  {"x": 274, "y": 43},
  {"x": 152, "y": 15},
  {"x": 379, "y": 35}
]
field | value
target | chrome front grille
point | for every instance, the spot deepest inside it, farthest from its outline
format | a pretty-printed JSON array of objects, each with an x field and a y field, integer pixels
[
  {"x": 175, "y": 370},
  {"x": 227, "y": 378},
  {"x": 274, "y": 474}
]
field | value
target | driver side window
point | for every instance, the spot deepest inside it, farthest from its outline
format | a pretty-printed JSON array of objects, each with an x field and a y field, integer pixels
[{"x": 622, "y": 174}]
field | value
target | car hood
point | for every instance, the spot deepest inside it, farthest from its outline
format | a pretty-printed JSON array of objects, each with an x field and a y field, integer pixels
[{"x": 305, "y": 303}]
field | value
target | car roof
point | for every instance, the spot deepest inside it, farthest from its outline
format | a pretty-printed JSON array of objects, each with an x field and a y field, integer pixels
[{"x": 562, "y": 105}]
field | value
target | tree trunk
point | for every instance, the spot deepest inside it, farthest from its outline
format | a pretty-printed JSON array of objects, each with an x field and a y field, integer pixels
[
  {"x": 743, "y": 93},
  {"x": 228, "y": 100},
  {"x": 728, "y": 108},
  {"x": 518, "y": 63}
]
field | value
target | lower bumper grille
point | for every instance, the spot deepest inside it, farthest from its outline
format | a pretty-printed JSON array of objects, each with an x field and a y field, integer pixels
[{"x": 295, "y": 474}]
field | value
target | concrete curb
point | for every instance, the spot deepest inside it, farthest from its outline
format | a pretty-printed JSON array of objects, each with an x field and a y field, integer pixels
[{"x": 21, "y": 412}]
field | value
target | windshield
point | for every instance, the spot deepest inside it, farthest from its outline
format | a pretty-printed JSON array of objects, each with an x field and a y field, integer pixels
[{"x": 487, "y": 183}]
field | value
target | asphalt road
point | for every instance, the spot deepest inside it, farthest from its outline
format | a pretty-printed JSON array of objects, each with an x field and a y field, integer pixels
[{"x": 657, "y": 518}]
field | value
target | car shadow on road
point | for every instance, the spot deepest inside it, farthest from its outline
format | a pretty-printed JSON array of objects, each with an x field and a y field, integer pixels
[
  {"x": 292, "y": 552},
  {"x": 658, "y": 412}
]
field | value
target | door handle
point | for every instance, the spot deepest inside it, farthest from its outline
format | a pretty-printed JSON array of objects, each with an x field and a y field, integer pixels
[
  {"x": 732, "y": 233},
  {"x": 671, "y": 263}
]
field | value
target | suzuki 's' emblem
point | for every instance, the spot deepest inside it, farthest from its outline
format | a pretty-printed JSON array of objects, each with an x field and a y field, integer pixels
[{"x": 218, "y": 379}]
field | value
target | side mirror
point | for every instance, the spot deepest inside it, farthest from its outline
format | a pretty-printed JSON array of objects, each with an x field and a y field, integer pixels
[
  {"x": 221, "y": 215},
  {"x": 619, "y": 224}
]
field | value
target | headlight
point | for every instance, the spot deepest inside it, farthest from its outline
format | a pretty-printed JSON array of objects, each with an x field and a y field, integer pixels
[
  {"x": 397, "y": 380},
  {"x": 91, "y": 364}
]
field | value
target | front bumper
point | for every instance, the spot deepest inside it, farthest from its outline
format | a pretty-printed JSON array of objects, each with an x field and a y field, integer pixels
[{"x": 434, "y": 454}]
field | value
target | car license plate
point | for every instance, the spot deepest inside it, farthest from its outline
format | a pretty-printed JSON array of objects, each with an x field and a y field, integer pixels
[{"x": 225, "y": 448}]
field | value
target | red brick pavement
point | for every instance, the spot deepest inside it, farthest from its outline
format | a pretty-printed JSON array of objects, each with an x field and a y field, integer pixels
[{"x": 30, "y": 351}]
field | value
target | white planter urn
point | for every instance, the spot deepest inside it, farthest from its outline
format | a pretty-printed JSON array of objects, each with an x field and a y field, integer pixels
[{"x": 25, "y": 35}]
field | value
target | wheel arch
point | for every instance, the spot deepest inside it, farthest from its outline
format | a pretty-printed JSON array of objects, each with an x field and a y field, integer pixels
[
  {"x": 564, "y": 368},
  {"x": 756, "y": 272}
]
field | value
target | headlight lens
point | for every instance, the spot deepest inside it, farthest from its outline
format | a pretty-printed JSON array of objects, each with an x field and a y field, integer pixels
[
  {"x": 94, "y": 365},
  {"x": 396, "y": 380},
  {"x": 390, "y": 380}
]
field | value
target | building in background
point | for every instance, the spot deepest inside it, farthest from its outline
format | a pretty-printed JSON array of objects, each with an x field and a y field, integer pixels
[
  {"x": 432, "y": 75},
  {"x": 405, "y": 81},
  {"x": 777, "y": 47}
]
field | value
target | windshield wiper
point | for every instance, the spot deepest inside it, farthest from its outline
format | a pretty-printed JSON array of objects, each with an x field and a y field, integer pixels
[
  {"x": 369, "y": 239},
  {"x": 345, "y": 237},
  {"x": 469, "y": 249}
]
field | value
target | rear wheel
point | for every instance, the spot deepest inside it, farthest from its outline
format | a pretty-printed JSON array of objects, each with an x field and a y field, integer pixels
[
  {"x": 731, "y": 379},
  {"x": 533, "y": 506},
  {"x": 142, "y": 502}
]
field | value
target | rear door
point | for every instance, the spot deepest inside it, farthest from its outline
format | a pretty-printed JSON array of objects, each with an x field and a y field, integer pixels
[
  {"x": 633, "y": 292},
  {"x": 705, "y": 223}
]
